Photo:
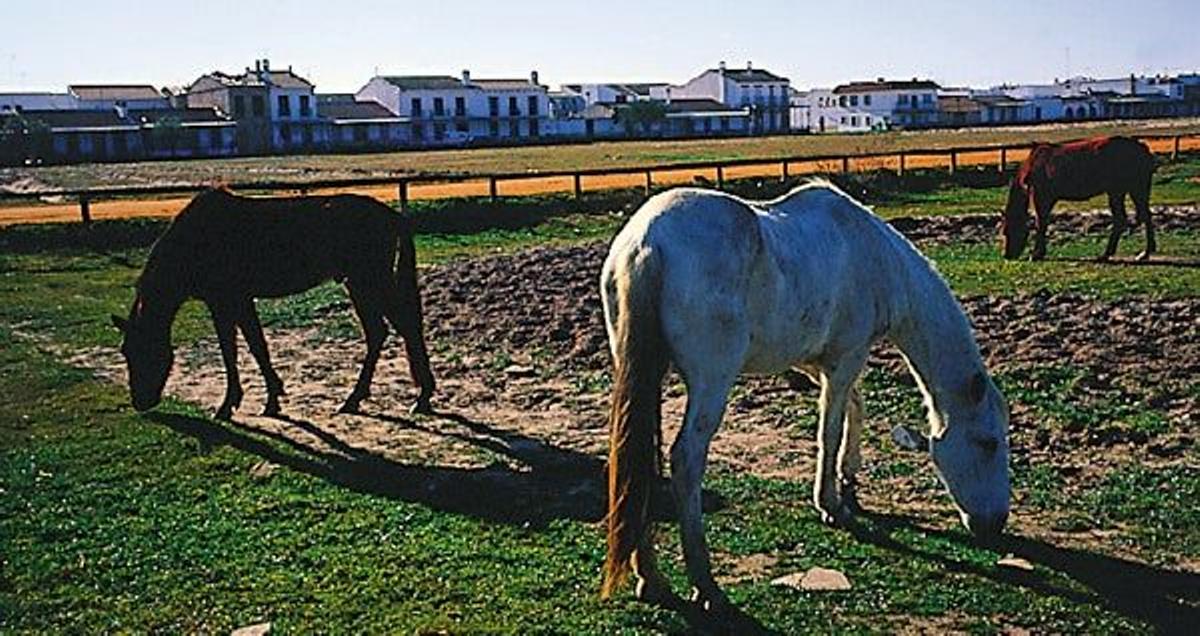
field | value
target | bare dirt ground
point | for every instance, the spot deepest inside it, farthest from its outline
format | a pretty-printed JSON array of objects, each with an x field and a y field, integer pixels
[{"x": 521, "y": 357}]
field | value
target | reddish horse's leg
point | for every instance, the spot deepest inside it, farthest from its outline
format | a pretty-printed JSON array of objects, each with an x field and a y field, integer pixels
[
  {"x": 1116, "y": 205},
  {"x": 1042, "y": 206},
  {"x": 1141, "y": 203}
]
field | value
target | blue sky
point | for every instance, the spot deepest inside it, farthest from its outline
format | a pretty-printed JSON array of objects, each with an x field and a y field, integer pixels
[{"x": 339, "y": 45}]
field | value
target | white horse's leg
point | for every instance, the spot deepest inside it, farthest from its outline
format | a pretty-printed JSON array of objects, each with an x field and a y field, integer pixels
[
  {"x": 689, "y": 455},
  {"x": 836, "y": 386},
  {"x": 850, "y": 454}
]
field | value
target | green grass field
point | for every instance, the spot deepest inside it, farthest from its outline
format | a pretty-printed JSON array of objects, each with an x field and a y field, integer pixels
[{"x": 112, "y": 521}]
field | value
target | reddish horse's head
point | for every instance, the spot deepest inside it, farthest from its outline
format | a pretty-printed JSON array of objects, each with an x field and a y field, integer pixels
[{"x": 1014, "y": 224}]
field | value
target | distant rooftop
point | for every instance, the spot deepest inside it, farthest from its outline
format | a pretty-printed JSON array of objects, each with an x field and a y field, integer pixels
[
  {"x": 886, "y": 85},
  {"x": 123, "y": 92},
  {"x": 747, "y": 75}
]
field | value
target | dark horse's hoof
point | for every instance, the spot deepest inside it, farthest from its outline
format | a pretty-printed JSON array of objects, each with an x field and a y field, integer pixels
[
  {"x": 349, "y": 409},
  {"x": 421, "y": 407}
]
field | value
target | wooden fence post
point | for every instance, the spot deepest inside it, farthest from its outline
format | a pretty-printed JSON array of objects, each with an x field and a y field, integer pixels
[
  {"x": 1175, "y": 149},
  {"x": 402, "y": 193},
  {"x": 720, "y": 177},
  {"x": 578, "y": 186},
  {"x": 492, "y": 188},
  {"x": 649, "y": 182},
  {"x": 1003, "y": 159},
  {"x": 845, "y": 165},
  {"x": 85, "y": 209},
  {"x": 902, "y": 158},
  {"x": 953, "y": 161},
  {"x": 784, "y": 172}
]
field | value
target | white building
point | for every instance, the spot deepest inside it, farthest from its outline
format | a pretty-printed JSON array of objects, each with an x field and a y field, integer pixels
[
  {"x": 617, "y": 93},
  {"x": 444, "y": 110},
  {"x": 765, "y": 94},
  {"x": 880, "y": 105},
  {"x": 276, "y": 109}
]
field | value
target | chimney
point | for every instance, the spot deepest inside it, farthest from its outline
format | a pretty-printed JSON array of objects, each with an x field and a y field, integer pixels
[
  {"x": 466, "y": 77},
  {"x": 668, "y": 95},
  {"x": 721, "y": 67},
  {"x": 257, "y": 66},
  {"x": 879, "y": 80},
  {"x": 1132, "y": 84},
  {"x": 533, "y": 77},
  {"x": 749, "y": 65}
]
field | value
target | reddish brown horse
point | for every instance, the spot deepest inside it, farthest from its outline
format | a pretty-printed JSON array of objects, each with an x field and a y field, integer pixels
[
  {"x": 1076, "y": 171},
  {"x": 227, "y": 250}
]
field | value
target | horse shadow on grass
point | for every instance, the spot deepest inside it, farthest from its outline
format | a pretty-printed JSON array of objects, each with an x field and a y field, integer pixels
[
  {"x": 534, "y": 484},
  {"x": 1168, "y": 600},
  {"x": 1130, "y": 262}
]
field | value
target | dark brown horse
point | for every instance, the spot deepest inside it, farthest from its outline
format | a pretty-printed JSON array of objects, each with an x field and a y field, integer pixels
[
  {"x": 227, "y": 250},
  {"x": 1076, "y": 171}
]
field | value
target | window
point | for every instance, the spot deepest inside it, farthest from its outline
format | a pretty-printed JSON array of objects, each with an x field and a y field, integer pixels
[
  {"x": 927, "y": 98},
  {"x": 460, "y": 106},
  {"x": 514, "y": 128},
  {"x": 534, "y": 129},
  {"x": 416, "y": 106},
  {"x": 439, "y": 130},
  {"x": 512, "y": 108},
  {"x": 494, "y": 108},
  {"x": 239, "y": 106},
  {"x": 494, "y": 129},
  {"x": 462, "y": 127},
  {"x": 285, "y": 106},
  {"x": 854, "y": 100},
  {"x": 439, "y": 107},
  {"x": 842, "y": 101},
  {"x": 258, "y": 106},
  {"x": 854, "y": 121},
  {"x": 866, "y": 100},
  {"x": 418, "y": 132},
  {"x": 285, "y": 133},
  {"x": 305, "y": 109},
  {"x": 533, "y": 106}
]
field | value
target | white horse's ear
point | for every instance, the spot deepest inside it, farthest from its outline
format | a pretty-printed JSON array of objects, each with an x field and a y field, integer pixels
[{"x": 119, "y": 322}]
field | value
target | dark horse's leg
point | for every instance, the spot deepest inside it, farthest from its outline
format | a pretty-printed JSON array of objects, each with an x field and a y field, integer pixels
[
  {"x": 405, "y": 317},
  {"x": 1116, "y": 205},
  {"x": 224, "y": 316},
  {"x": 1141, "y": 203},
  {"x": 1042, "y": 206},
  {"x": 368, "y": 306},
  {"x": 252, "y": 331}
]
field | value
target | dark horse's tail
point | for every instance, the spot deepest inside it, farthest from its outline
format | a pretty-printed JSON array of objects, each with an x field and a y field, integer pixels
[{"x": 411, "y": 318}]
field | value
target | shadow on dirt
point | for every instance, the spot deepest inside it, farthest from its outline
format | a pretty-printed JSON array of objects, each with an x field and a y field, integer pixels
[
  {"x": 1167, "y": 599},
  {"x": 531, "y": 484}
]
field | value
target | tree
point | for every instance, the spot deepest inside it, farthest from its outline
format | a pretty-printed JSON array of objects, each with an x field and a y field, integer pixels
[
  {"x": 167, "y": 133},
  {"x": 642, "y": 115}
]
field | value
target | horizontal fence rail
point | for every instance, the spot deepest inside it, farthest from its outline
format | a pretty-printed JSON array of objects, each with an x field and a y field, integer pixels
[{"x": 403, "y": 182}]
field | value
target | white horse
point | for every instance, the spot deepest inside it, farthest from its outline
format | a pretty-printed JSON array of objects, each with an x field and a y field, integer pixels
[{"x": 721, "y": 286}]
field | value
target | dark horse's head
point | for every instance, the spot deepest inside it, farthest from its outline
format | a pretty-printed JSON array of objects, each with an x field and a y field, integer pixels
[
  {"x": 148, "y": 354},
  {"x": 1014, "y": 224}
]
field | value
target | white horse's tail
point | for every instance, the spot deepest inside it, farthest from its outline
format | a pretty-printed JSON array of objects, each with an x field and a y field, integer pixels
[{"x": 640, "y": 360}]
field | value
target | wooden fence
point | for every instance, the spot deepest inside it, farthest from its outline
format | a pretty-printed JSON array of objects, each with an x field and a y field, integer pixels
[{"x": 952, "y": 158}]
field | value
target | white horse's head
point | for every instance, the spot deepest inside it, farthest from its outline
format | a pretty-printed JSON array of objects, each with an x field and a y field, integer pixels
[{"x": 970, "y": 450}]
